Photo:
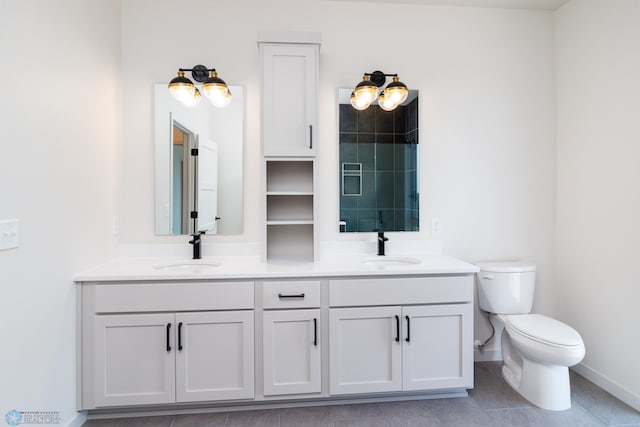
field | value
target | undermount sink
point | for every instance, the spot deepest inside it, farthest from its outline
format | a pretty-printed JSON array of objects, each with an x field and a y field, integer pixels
[
  {"x": 188, "y": 267},
  {"x": 385, "y": 260}
]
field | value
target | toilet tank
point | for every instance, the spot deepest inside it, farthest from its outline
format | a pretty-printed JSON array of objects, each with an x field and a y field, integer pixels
[{"x": 506, "y": 287}]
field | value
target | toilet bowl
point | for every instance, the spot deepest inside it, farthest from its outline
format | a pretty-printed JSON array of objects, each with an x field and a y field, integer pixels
[{"x": 537, "y": 350}]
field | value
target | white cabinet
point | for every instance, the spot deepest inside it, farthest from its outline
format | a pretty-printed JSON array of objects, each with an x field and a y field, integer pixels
[
  {"x": 153, "y": 343},
  {"x": 166, "y": 358},
  {"x": 214, "y": 356},
  {"x": 377, "y": 349},
  {"x": 289, "y": 99},
  {"x": 437, "y": 349},
  {"x": 364, "y": 350},
  {"x": 134, "y": 363},
  {"x": 291, "y": 352},
  {"x": 289, "y": 140},
  {"x": 400, "y": 334},
  {"x": 291, "y": 337}
]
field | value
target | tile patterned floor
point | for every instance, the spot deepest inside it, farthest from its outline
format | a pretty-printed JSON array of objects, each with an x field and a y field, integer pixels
[{"x": 492, "y": 403}]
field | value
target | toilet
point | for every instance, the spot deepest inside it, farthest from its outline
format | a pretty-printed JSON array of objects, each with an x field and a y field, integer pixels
[{"x": 537, "y": 350}]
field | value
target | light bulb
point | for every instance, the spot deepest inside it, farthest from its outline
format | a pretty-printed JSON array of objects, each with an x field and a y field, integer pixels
[
  {"x": 182, "y": 89},
  {"x": 397, "y": 91},
  {"x": 386, "y": 102},
  {"x": 220, "y": 97},
  {"x": 366, "y": 92},
  {"x": 357, "y": 103},
  {"x": 216, "y": 90},
  {"x": 193, "y": 101}
]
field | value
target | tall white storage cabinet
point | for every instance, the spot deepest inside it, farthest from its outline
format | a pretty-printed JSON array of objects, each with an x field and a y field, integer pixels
[
  {"x": 289, "y": 135},
  {"x": 290, "y": 98}
]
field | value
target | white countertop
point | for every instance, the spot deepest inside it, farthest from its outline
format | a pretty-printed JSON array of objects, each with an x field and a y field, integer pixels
[{"x": 123, "y": 269}]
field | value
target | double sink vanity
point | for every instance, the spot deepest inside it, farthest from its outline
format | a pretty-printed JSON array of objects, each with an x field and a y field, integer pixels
[
  {"x": 222, "y": 332},
  {"x": 291, "y": 326}
]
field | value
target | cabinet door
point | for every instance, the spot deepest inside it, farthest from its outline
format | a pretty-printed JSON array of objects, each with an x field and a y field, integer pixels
[
  {"x": 134, "y": 359},
  {"x": 437, "y": 347},
  {"x": 214, "y": 356},
  {"x": 365, "y": 350},
  {"x": 291, "y": 352},
  {"x": 289, "y": 99}
]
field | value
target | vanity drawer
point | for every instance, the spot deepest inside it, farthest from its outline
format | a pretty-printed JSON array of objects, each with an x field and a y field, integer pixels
[
  {"x": 142, "y": 297},
  {"x": 400, "y": 290},
  {"x": 291, "y": 294}
]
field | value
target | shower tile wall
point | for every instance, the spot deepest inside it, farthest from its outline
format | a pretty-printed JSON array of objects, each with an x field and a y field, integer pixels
[{"x": 386, "y": 145}]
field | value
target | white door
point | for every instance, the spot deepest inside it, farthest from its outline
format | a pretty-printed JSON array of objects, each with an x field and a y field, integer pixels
[
  {"x": 289, "y": 99},
  {"x": 291, "y": 352},
  {"x": 365, "y": 350},
  {"x": 134, "y": 359},
  {"x": 207, "y": 202},
  {"x": 214, "y": 356},
  {"x": 437, "y": 350}
]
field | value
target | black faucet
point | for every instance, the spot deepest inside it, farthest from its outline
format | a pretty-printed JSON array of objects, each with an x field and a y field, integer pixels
[
  {"x": 381, "y": 240},
  {"x": 196, "y": 244}
]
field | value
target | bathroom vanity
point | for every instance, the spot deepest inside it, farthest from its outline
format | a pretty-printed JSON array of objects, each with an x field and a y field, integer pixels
[
  {"x": 221, "y": 333},
  {"x": 288, "y": 327}
]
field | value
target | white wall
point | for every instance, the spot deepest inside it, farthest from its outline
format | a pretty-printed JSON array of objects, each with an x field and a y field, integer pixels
[
  {"x": 487, "y": 115},
  {"x": 598, "y": 179},
  {"x": 59, "y": 114}
]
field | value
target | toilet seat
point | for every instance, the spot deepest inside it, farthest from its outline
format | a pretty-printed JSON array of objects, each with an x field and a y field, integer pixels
[{"x": 544, "y": 330}]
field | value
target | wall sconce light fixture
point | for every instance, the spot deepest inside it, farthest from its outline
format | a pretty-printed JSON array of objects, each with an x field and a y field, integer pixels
[
  {"x": 214, "y": 88},
  {"x": 366, "y": 92}
]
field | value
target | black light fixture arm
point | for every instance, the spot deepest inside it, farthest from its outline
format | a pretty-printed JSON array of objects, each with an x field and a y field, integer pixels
[
  {"x": 200, "y": 73},
  {"x": 379, "y": 78}
]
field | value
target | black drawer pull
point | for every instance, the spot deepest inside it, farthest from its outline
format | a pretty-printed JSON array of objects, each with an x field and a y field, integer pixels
[
  {"x": 408, "y": 339},
  {"x": 281, "y": 296},
  {"x": 397, "y": 328},
  {"x": 168, "y": 336},
  {"x": 180, "y": 336},
  {"x": 315, "y": 332}
]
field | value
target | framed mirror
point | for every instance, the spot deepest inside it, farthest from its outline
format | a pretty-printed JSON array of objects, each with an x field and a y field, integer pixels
[
  {"x": 198, "y": 165},
  {"x": 378, "y": 166}
]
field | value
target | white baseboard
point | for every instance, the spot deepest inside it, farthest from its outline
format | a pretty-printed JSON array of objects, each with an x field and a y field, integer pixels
[
  {"x": 609, "y": 385},
  {"x": 78, "y": 420}
]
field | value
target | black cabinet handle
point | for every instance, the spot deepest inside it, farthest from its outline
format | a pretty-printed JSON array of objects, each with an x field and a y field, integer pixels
[
  {"x": 180, "y": 336},
  {"x": 168, "y": 336},
  {"x": 315, "y": 332},
  {"x": 408, "y": 339},
  {"x": 310, "y": 137},
  {"x": 397, "y": 328},
  {"x": 291, "y": 296}
]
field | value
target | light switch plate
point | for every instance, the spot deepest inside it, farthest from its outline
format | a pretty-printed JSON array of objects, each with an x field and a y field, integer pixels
[{"x": 9, "y": 234}]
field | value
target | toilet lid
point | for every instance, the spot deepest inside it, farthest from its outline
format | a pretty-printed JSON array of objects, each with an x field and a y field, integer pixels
[
  {"x": 506, "y": 266},
  {"x": 544, "y": 329}
]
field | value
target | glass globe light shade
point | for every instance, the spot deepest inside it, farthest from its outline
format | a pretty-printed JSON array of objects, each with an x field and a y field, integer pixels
[
  {"x": 386, "y": 102},
  {"x": 182, "y": 89},
  {"x": 193, "y": 101},
  {"x": 223, "y": 101},
  {"x": 397, "y": 91},
  {"x": 366, "y": 91},
  {"x": 215, "y": 89},
  {"x": 357, "y": 103}
]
